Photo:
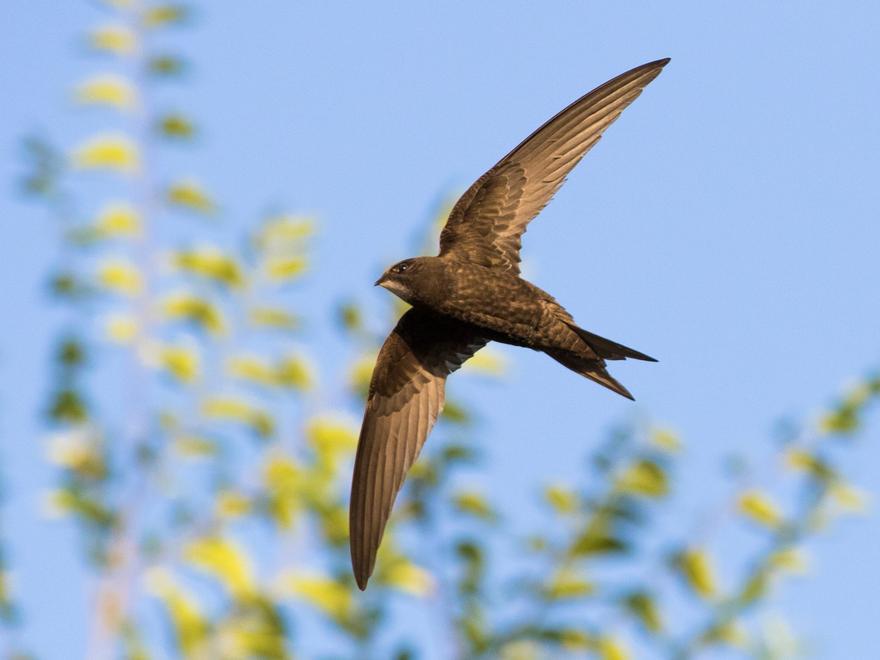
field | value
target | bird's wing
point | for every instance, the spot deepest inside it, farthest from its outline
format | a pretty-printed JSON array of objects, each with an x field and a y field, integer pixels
[
  {"x": 488, "y": 221},
  {"x": 405, "y": 398}
]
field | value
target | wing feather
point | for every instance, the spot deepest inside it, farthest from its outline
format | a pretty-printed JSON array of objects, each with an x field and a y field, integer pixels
[
  {"x": 405, "y": 398},
  {"x": 487, "y": 223}
]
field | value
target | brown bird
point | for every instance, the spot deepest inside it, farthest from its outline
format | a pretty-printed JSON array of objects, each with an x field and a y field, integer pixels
[{"x": 470, "y": 294}]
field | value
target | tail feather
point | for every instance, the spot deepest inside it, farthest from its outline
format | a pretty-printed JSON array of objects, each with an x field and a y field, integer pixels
[
  {"x": 610, "y": 350},
  {"x": 592, "y": 369}
]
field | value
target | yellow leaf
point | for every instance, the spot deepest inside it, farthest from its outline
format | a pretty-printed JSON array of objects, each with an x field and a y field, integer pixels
[
  {"x": 231, "y": 504},
  {"x": 111, "y": 89},
  {"x": 792, "y": 560},
  {"x": 113, "y": 38},
  {"x": 284, "y": 233},
  {"x": 285, "y": 269},
  {"x": 226, "y": 408},
  {"x": 474, "y": 504},
  {"x": 56, "y": 504},
  {"x": 407, "y": 577},
  {"x": 120, "y": 277},
  {"x": 666, "y": 440},
  {"x": 180, "y": 361},
  {"x": 291, "y": 372},
  {"x": 189, "y": 624},
  {"x": 118, "y": 220},
  {"x": 850, "y": 498},
  {"x": 758, "y": 507},
  {"x": 187, "y": 307},
  {"x": 121, "y": 328},
  {"x": 224, "y": 560},
  {"x": 562, "y": 499},
  {"x": 644, "y": 477},
  {"x": 294, "y": 372},
  {"x": 609, "y": 648},
  {"x": 211, "y": 263},
  {"x": 282, "y": 478},
  {"x": 803, "y": 461},
  {"x": 109, "y": 151},
  {"x": 325, "y": 594},
  {"x": 252, "y": 369},
  {"x": 696, "y": 569},
  {"x": 273, "y": 317},
  {"x": 190, "y": 195},
  {"x": 567, "y": 583},
  {"x": 331, "y": 435},
  {"x": 334, "y": 525},
  {"x": 194, "y": 446}
]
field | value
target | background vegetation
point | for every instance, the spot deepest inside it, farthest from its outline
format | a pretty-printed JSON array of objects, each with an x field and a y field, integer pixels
[{"x": 207, "y": 479}]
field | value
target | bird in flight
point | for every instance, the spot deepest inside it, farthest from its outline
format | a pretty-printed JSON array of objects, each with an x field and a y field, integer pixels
[{"x": 471, "y": 294}]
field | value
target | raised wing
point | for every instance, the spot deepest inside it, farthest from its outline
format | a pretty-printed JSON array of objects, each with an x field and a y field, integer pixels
[
  {"x": 406, "y": 396},
  {"x": 488, "y": 221}
]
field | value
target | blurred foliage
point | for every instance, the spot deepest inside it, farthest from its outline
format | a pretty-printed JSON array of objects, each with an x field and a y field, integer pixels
[{"x": 208, "y": 479}]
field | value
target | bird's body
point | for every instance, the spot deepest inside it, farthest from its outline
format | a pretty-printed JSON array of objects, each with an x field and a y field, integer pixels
[
  {"x": 471, "y": 294},
  {"x": 501, "y": 306}
]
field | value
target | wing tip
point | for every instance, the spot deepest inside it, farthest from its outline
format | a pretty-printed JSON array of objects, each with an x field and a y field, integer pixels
[
  {"x": 361, "y": 566},
  {"x": 361, "y": 580},
  {"x": 656, "y": 64}
]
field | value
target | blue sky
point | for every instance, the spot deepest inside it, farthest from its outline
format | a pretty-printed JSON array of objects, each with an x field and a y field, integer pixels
[{"x": 727, "y": 224}]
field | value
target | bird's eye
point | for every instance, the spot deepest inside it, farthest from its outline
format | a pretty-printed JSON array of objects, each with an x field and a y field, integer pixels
[{"x": 401, "y": 268}]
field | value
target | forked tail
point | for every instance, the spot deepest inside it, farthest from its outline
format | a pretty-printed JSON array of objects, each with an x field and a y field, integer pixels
[
  {"x": 591, "y": 368},
  {"x": 610, "y": 350}
]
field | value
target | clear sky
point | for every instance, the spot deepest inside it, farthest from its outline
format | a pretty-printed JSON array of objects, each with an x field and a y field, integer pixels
[{"x": 727, "y": 224}]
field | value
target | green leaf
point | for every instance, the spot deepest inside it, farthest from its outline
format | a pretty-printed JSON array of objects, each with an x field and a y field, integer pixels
[
  {"x": 455, "y": 413},
  {"x": 68, "y": 406},
  {"x": 597, "y": 543},
  {"x": 166, "y": 66},
  {"x": 643, "y": 606},
  {"x": 71, "y": 352},
  {"x": 166, "y": 14},
  {"x": 350, "y": 317},
  {"x": 474, "y": 504},
  {"x": 176, "y": 126}
]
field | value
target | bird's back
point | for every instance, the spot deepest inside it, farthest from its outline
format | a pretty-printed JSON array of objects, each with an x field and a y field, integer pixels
[{"x": 502, "y": 302}]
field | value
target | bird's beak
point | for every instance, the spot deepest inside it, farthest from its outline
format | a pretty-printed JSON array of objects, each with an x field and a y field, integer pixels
[{"x": 380, "y": 280}]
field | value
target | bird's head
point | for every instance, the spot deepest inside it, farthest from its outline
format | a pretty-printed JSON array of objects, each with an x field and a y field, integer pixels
[{"x": 403, "y": 279}]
